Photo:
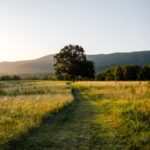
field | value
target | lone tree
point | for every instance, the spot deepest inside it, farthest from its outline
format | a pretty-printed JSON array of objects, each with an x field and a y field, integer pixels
[{"x": 71, "y": 63}]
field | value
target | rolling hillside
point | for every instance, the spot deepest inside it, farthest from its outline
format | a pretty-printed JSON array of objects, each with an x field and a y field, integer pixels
[{"x": 102, "y": 61}]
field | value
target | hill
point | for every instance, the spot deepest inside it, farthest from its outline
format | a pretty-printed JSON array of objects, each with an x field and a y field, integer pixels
[
  {"x": 37, "y": 66},
  {"x": 102, "y": 61}
]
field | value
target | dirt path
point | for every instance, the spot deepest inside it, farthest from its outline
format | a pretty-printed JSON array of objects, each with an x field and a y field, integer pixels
[{"x": 71, "y": 129}]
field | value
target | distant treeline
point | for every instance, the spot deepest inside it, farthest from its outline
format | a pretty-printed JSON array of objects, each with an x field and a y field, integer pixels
[
  {"x": 117, "y": 73},
  {"x": 28, "y": 77},
  {"x": 125, "y": 73},
  {"x": 7, "y": 77}
]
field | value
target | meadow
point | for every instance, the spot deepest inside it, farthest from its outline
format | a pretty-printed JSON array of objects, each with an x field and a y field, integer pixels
[
  {"x": 93, "y": 115},
  {"x": 121, "y": 112},
  {"x": 24, "y": 105}
]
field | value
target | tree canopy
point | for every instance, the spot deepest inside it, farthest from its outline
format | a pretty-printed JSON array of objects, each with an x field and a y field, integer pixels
[
  {"x": 125, "y": 73},
  {"x": 71, "y": 63}
]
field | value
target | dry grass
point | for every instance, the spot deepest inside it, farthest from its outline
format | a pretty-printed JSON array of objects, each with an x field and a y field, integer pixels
[
  {"x": 20, "y": 113},
  {"x": 122, "y": 112},
  {"x": 105, "y": 115}
]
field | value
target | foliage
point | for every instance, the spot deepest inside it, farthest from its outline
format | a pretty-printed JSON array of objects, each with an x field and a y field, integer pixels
[
  {"x": 125, "y": 73},
  {"x": 71, "y": 63}
]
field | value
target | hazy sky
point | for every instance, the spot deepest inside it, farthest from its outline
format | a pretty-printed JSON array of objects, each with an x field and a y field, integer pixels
[{"x": 33, "y": 28}]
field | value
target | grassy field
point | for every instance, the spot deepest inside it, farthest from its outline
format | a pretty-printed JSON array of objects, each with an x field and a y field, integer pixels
[
  {"x": 24, "y": 105},
  {"x": 104, "y": 115},
  {"x": 121, "y": 113}
]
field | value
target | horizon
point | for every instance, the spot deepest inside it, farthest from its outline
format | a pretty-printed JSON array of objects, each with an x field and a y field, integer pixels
[
  {"x": 34, "y": 28},
  {"x": 86, "y": 55}
]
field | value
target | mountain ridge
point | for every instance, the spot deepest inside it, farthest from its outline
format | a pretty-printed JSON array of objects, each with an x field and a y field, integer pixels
[{"x": 44, "y": 64}]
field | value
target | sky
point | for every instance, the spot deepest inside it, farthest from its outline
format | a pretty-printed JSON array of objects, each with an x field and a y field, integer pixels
[{"x": 33, "y": 28}]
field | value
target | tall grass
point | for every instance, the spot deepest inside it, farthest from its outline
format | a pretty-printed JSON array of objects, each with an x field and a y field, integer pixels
[
  {"x": 122, "y": 113},
  {"x": 14, "y": 88},
  {"x": 105, "y": 115},
  {"x": 20, "y": 113}
]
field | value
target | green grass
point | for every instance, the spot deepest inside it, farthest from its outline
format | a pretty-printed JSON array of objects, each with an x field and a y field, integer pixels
[
  {"x": 19, "y": 114},
  {"x": 123, "y": 111},
  {"x": 104, "y": 115},
  {"x": 15, "y": 88}
]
